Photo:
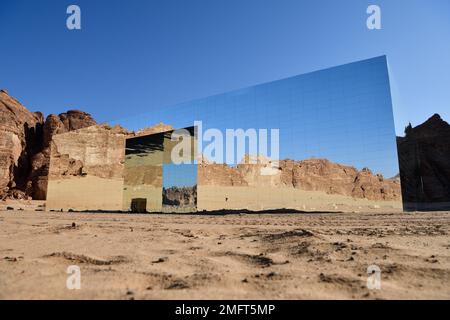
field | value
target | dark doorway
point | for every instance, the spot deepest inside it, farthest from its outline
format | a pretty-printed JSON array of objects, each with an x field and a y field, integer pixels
[{"x": 139, "y": 205}]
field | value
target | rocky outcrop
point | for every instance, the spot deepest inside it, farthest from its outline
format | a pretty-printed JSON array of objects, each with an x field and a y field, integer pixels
[
  {"x": 97, "y": 150},
  {"x": 333, "y": 178},
  {"x": 310, "y": 175},
  {"x": 424, "y": 156},
  {"x": 65, "y": 122},
  {"x": 157, "y": 128},
  {"x": 180, "y": 196},
  {"x": 21, "y": 136},
  {"x": 25, "y": 146},
  {"x": 220, "y": 174},
  {"x": 54, "y": 124},
  {"x": 93, "y": 151},
  {"x": 86, "y": 169}
]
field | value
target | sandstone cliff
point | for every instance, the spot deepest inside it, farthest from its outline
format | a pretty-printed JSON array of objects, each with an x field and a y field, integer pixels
[
  {"x": 424, "y": 155},
  {"x": 95, "y": 151},
  {"x": 21, "y": 136},
  {"x": 180, "y": 196},
  {"x": 157, "y": 128},
  {"x": 310, "y": 175},
  {"x": 24, "y": 146},
  {"x": 65, "y": 122}
]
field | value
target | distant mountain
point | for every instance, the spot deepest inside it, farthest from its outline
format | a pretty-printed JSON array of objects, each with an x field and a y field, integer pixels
[{"x": 424, "y": 156}]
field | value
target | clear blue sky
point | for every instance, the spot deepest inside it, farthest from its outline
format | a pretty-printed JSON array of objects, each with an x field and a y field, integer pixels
[
  {"x": 184, "y": 175},
  {"x": 132, "y": 57}
]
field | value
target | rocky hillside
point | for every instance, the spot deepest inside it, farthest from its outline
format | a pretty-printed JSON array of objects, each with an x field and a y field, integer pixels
[
  {"x": 180, "y": 196},
  {"x": 310, "y": 175},
  {"x": 97, "y": 150},
  {"x": 24, "y": 146},
  {"x": 424, "y": 154},
  {"x": 157, "y": 128}
]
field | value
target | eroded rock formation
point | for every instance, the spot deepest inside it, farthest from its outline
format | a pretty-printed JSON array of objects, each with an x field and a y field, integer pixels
[
  {"x": 157, "y": 128},
  {"x": 54, "y": 124},
  {"x": 180, "y": 196},
  {"x": 310, "y": 175},
  {"x": 95, "y": 151},
  {"x": 24, "y": 146},
  {"x": 21, "y": 136},
  {"x": 424, "y": 154}
]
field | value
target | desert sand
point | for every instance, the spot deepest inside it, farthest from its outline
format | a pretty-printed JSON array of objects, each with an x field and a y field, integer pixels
[{"x": 251, "y": 256}]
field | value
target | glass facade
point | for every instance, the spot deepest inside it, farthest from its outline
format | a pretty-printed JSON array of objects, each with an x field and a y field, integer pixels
[
  {"x": 322, "y": 141},
  {"x": 343, "y": 114},
  {"x": 336, "y": 144},
  {"x": 149, "y": 173}
]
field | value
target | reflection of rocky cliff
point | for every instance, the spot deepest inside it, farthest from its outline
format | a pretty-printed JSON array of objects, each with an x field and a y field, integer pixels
[
  {"x": 93, "y": 151},
  {"x": 424, "y": 155},
  {"x": 310, "y": 175},
  {"x": 25, "y": 151},
  {"x": 180, "y": 196},
  {"x": 24, "y": 146}
]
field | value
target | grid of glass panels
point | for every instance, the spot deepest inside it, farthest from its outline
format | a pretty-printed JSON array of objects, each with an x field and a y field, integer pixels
[{"x": 342, "y": 114}]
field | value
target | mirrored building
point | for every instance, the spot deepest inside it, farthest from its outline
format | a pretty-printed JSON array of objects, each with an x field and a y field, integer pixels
[
  {"x": 152, "y": 181},
  {"x": 322, "y": 141}
]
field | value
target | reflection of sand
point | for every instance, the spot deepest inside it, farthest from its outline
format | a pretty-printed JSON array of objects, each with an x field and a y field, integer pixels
[
  {"x": 85, "y": 193},
  {"x": 264, "y": 198},
  {"x": 178, "y": 209},
  {"x": 93, "y": 193},
  {"x": 151, "y": 193}
]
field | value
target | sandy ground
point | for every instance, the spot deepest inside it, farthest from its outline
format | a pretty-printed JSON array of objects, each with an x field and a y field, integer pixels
[{"x": 285, "y": 256}]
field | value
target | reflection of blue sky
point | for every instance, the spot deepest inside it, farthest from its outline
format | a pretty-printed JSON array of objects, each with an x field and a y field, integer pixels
[
  {"x": 343, "y": 114},
  {"x": 183, "y": 175}
]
